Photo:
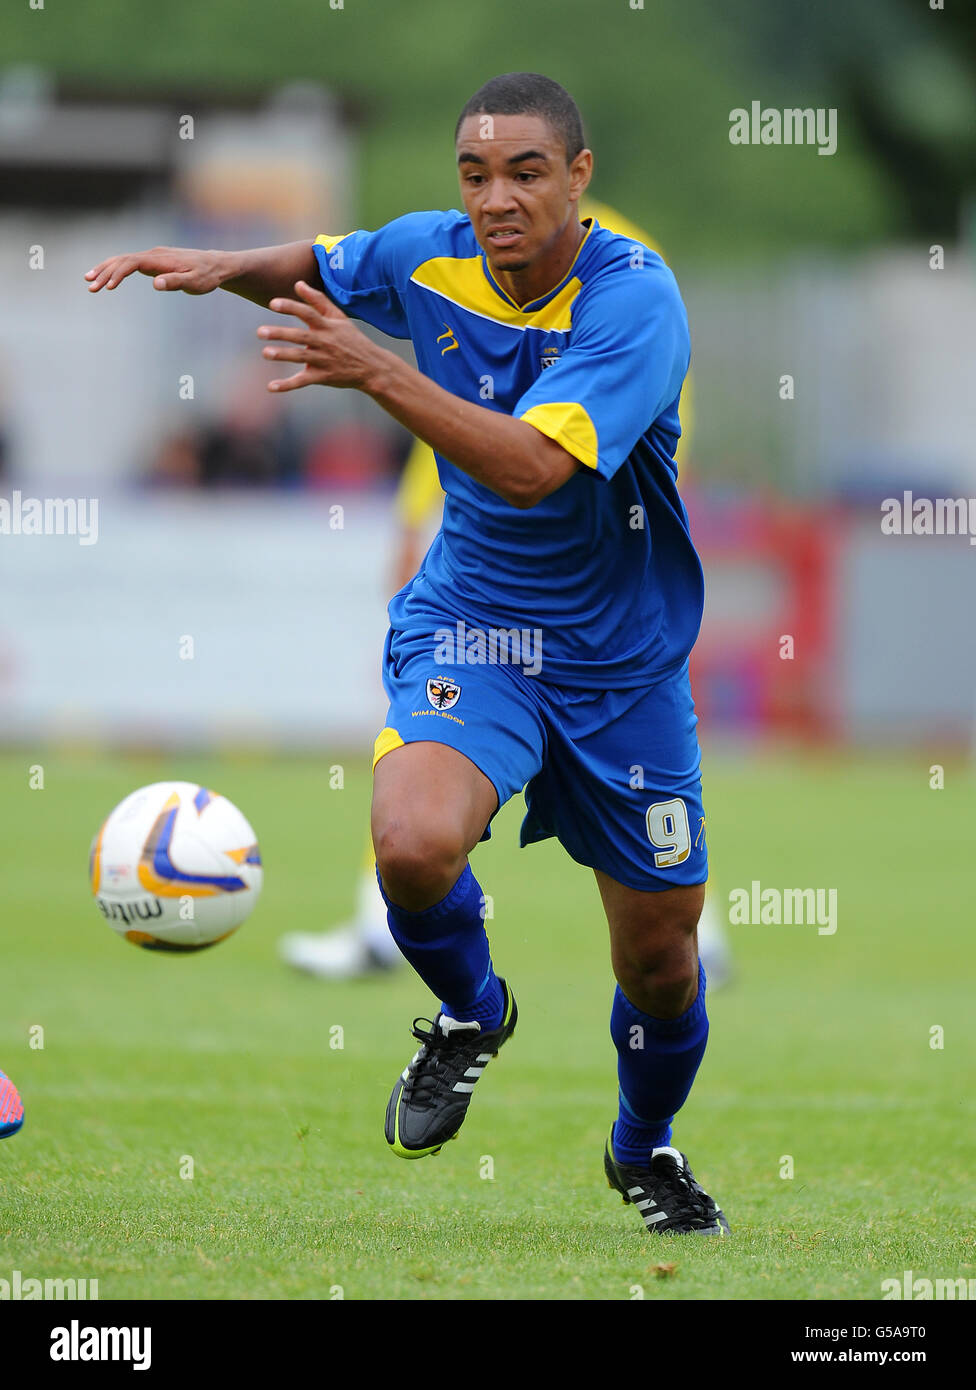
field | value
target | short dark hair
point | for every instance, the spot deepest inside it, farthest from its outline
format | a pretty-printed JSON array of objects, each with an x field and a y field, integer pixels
[{"x": 529, "y": 94}]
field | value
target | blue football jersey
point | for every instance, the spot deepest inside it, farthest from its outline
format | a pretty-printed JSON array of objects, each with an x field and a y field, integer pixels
[{"x": 603, "y": 569}]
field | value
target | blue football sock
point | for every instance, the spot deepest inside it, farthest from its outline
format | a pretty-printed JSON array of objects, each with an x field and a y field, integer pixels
[
  {"x": 657, "y": 1059},
  {"x": 447, "y": 946}
]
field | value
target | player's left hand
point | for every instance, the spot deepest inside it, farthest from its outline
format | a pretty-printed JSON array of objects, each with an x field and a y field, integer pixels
[{"x": 330, "y": 348}]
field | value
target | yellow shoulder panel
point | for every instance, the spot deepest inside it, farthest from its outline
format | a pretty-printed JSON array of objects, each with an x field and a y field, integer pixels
[
  {"x": 569, "y": 425},
  {"x": 329, "y": 241}
]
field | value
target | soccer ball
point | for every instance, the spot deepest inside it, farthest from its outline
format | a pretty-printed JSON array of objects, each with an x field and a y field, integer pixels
[{"x": 175, "y": 867}]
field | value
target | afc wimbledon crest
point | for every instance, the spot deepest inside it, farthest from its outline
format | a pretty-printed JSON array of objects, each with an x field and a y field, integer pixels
[
  {"x": 443, "y": 693},
  {"x": 549, "y": 358}
]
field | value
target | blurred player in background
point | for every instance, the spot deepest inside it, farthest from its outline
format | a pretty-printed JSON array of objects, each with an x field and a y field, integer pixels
[
  {"x": 364, "y": 946},
  {"x": 11, "y": 1108}
]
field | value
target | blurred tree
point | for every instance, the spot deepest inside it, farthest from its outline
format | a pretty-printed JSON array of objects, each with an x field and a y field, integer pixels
[
  {"x": 903, "y": 77},
  {"x": 656, "y": 85}
]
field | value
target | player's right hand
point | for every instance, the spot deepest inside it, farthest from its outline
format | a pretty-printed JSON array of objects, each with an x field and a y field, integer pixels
[{"x": 172, "y": 268}]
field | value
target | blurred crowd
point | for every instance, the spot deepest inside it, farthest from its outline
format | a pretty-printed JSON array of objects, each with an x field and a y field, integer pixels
[
  {"x": 250, "y": 438},
  {"x": 231, "y": 452}
]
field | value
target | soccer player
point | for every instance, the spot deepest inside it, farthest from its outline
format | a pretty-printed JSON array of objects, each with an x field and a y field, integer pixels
[
  {"x": 544, "y": 642},
  {"x": 11, "y": 1108},
  {"x": 363, "y": 946}
]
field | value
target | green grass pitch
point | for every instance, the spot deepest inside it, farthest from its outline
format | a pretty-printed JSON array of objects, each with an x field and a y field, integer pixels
[{"x": 820, "y": 1050}]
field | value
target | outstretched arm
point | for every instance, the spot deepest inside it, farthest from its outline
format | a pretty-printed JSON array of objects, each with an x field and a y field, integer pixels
[
  {"x": 258, "y": 275},
  {"x": 509, "y": 456}
]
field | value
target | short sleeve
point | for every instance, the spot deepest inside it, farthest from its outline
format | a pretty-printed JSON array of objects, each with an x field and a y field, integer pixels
[
  {"x": 623, "y": 366},
  {"x": 363, "y": 272}
]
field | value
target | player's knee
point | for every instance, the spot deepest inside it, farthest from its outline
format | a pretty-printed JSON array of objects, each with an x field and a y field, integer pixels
[
  {"x": 418, "y": 863},
  {"x": 658, "y": 969},
  {"x": 663, "y": 984}
]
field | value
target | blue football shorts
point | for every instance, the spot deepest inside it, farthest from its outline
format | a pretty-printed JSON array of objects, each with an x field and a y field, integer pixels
[{"x": 614, "y": 775}]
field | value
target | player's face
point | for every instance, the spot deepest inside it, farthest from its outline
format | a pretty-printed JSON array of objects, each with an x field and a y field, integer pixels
[{"x": 518, "y": 190}]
